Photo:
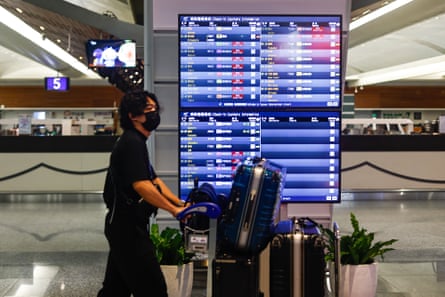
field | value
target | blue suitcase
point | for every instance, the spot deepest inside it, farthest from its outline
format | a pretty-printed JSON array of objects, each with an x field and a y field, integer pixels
[{"x": 247, "y": 223}]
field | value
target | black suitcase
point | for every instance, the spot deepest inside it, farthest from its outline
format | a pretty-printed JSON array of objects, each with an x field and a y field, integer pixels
[
  {"x": 247, "y": 223},
  {"x": 297, "y": 264},
  {"x": 235, "y": 277}
]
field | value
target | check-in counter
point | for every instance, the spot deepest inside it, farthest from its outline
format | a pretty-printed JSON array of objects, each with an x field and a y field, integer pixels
[
  {"x": 379, "y": 126},
  {"x": 78, "y": 163},
  {"x": 393, "y": 162},
  {"x": 54, "y": 163}
]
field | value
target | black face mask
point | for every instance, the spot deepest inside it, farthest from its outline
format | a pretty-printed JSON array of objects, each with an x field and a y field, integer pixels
[{"x": 152, "y": 120}]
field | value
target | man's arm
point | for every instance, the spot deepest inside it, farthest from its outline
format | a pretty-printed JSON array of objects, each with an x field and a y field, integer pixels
[
  {"x": 167, "y": 193},
  {"x": 150, "y": 193}
]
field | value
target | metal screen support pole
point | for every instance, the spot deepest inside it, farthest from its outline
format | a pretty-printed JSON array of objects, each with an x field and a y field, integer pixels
[{"x": 211, "y": 255}]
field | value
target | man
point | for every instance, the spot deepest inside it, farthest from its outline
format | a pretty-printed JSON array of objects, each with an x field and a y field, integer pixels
[{"x": 132, "y": 267}]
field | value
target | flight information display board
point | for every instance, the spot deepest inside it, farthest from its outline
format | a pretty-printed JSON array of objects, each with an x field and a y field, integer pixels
[
  {"x": 307, "y": 143},
  {"x": 265, "y": 86},
  {"x": 260, "y": 61}
]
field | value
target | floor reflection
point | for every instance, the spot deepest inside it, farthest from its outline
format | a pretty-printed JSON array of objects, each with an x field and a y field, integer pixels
[
  {"x": 42, "y": 276},
  {"x": 58, "y": 249}
]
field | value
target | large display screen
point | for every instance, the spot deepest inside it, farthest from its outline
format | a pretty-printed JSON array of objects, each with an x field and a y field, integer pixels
[
  {"x": 261, "y": 86},
  {"x": 260, "y": 61},
  {"x": 307, "y": 143}
]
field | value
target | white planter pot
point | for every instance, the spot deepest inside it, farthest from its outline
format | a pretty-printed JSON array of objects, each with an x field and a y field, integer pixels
[
  {"x": 358, "y": 280},
  {"x": 179, "y": 279}
]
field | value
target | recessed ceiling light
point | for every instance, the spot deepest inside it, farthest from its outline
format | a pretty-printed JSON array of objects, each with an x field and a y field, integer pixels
[
  {"x": 59, "y": 41},
  {"x": 368, "y": 16},
  {"x": 14, "y": 22},
  {"x": 18, "y": 10},
  {"x": 42, "y": 28}
]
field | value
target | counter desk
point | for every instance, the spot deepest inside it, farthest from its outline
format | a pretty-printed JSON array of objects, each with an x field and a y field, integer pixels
[
  {"x": 393, "y": 162},
  {"x": 54, "y": 163},
  {"x": 78, "y": 163},
  {"x": 56, "y": 144}
]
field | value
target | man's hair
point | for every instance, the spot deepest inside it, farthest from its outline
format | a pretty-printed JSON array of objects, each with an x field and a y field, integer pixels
[{"x": 134, "y": 102}]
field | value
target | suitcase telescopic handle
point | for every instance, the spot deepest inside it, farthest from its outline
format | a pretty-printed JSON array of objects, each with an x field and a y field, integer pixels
[{"x": 212, "y": 210}]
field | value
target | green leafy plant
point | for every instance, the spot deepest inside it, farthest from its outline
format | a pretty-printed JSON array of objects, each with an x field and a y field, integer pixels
[
  {"x": 356, "y": 248},
  {"x": 169, "y": 246}
]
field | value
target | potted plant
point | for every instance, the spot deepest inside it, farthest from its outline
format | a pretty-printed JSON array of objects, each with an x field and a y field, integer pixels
[
  {"x": 358, "y": 253},
  {"x": 175, "y": 261}
]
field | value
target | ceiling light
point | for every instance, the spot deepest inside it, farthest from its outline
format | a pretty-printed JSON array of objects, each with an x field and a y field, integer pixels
[
  {"x": 18, "y": 10},
  {"x": 42, "y": 28},
  {"x": 403, "y": 71},
  {"x": 378, "y": 13},
  {"x": 23, "y": 29}
]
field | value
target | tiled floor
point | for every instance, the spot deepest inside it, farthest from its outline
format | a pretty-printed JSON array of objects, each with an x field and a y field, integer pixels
[
  {"x": 417, "y": 267},
  {"x": 53, "y": 248}
]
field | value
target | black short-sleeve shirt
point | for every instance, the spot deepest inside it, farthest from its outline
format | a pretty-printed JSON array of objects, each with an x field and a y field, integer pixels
[{"x": 130, "y": 163}]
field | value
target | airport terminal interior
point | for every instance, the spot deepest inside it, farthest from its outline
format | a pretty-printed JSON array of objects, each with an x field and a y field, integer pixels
[
  {"x": 54, "y": 246},
  {"x": 52, "y": 242}
]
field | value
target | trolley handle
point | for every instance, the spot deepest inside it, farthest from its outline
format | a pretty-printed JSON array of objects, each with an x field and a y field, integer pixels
[{"x": 210, "y": 209}]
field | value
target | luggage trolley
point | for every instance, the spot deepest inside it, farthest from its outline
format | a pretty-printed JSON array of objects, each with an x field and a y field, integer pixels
[
  {"x": 197, "y": 224},
  {"x": 199, "y": 229}
]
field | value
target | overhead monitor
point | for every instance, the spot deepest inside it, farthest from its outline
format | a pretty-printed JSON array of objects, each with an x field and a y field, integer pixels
[
  {"x": 110, "y": 53},
  {"x": 260, "y": 61}
]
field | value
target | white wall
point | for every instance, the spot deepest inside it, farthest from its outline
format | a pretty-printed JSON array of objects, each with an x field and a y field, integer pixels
[{"x": 166, "y": 11}]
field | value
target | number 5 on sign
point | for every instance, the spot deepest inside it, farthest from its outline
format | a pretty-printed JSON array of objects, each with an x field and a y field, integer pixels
[{"x": 60, "y": 83}]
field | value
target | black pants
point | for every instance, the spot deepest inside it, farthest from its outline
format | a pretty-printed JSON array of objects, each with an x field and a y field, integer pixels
[{"x": 132, "y": 267}]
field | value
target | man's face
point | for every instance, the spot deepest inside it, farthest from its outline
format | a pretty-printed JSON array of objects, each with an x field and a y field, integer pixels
[
  {"x": 139, "y": 120},
  {"x": 152, "y": 118}
]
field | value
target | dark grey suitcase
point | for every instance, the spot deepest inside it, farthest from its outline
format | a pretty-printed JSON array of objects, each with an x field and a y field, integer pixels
[
  {"x": 235, "y": 277},
  {"x": 297, "y": 264}
]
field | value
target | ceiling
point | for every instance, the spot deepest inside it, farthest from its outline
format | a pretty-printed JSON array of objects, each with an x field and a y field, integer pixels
[
  {"x": 410, "y": 36},
  {"x": 398, "y": 42},
  {"x": 66, "y": 24}
]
